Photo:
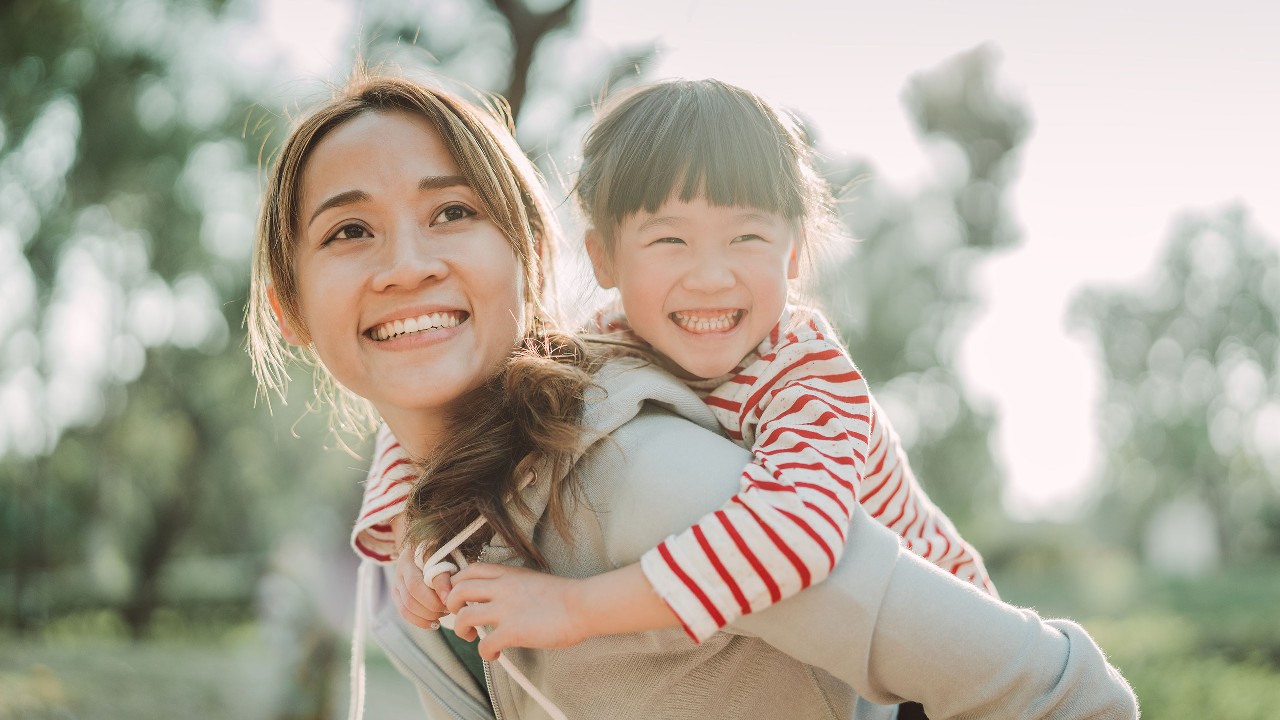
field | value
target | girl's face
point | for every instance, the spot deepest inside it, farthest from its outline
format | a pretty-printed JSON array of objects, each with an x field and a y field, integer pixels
[
  {"x": 703, "y": 284},
  {"x": 411, "y": 295}
]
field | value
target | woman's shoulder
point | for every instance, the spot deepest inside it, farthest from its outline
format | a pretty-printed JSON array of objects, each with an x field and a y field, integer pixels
[{"x": 624, "y": 387}]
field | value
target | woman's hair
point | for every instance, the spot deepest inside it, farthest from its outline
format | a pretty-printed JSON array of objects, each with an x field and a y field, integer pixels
[
  {"x": 529, "y": 413},
  {"x": 699, "y": 138}
]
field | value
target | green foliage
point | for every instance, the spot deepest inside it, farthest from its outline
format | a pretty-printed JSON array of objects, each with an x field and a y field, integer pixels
[{"x": 1193, "y": 385}]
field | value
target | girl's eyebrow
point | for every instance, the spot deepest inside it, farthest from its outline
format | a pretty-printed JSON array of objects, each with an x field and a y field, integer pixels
[
  {"x": 351, "y": 197},
  {"x": 673, "y": 221}
]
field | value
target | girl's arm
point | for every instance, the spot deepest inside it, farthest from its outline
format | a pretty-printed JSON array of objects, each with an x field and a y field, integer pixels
[
  {"x": 527, "y": 608},
  {"x": 886, "y": 622},
  {"x": 892, "y": 495},
  {"x": 806, "y": 412}
]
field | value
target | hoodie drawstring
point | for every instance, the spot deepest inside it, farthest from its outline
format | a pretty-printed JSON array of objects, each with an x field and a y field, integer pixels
[
  {"x": 364, "y": 575},
  {"x": 435, "y": 565}
]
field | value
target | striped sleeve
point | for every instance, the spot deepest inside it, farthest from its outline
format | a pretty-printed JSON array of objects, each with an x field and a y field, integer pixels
[
  {"x": 892, "y": 495},
  {"x": 785, "y": 529},
  {"x": 385, "y": 492}
]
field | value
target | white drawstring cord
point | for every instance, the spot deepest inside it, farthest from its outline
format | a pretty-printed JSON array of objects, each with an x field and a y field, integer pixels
[
  {"x": 355, "y": 710},
  {"x": 436, "y": 565}
]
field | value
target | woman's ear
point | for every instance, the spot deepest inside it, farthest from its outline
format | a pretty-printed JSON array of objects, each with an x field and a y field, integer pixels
[
  {"x": 286, "y": 330},
  {"x": 600, "y": 263}
]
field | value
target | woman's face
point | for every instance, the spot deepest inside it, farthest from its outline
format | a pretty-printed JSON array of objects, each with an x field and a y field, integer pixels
[{"x": 412, "y": 296}]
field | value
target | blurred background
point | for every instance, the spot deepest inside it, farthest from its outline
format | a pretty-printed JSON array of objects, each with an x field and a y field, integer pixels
[{"x": 1065, "y": 289}]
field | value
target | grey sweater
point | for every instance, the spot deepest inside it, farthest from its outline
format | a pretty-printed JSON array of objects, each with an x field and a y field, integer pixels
[{"x": 884, "y": 627}]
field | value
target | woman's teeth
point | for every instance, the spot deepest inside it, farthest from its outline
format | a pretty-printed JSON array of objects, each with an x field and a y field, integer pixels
[
  {"x": 432, "y": 321},
  {"x": 702, "y": 322}
]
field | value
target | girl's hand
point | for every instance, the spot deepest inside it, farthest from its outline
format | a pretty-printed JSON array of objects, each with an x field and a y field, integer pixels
[
  {"x": 420, "y": 604},
  {"x": 524, "y": 607}
]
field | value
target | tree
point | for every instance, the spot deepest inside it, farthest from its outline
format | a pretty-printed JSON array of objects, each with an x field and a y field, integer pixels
[
  {"x": 1192, "y": 400},
  {"x": 904, "y": 296}
]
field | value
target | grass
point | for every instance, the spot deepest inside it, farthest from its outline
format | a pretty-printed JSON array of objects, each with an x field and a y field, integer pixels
[
  {"x": 1208, "y": 648},
  {"x": 1192, "y": 650},
  {"x": 84, "y": 668}
]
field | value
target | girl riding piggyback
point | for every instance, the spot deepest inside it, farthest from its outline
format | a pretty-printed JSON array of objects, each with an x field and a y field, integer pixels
[{"x": 702, "y": 200}]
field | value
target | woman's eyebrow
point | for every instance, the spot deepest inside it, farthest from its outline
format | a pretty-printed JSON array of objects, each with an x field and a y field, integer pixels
[
  {"x": 350, "y": 197},
  {"x": 436, "y": 182},
  {"x": 343, "y": 198}
]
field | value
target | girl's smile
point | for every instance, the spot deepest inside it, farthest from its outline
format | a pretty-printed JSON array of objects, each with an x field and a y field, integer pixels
[{"x": 707, "y": 322}]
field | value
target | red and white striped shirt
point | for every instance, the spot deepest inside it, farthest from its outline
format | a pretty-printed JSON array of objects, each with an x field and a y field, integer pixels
[
  {"x": 819, "y": 444},
  {"x": 386, "y": 490}
]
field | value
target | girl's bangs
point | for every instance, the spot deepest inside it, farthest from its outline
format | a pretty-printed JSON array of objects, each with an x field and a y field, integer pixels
[{"x": 723, "y": 149}]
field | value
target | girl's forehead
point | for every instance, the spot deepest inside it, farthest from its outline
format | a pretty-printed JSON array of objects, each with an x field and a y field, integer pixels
[{"x": 702, "y": 206}]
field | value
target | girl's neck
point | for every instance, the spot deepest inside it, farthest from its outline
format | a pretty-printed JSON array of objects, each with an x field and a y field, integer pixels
[{"x": 418, "y": 432}]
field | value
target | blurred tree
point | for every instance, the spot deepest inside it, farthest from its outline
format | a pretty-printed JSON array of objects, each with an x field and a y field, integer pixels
[
  {"x": 1191, "y": 409},
  {"x": 117, "y": 272},
  {"x": 905, "y": 295}
]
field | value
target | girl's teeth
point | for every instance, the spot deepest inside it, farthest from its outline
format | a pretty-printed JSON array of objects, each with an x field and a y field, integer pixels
[
  {"x": 431, "y": 321},
  {"x": 703, "y": 324}
]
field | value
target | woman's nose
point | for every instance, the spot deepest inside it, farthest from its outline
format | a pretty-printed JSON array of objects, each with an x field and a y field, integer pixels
[{"x": 409, "y": 258}]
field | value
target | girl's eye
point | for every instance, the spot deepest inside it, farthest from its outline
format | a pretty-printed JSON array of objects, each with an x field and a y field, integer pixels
[
  {"x": 452, "y": 213},
  {"x": 668, "y": 241},
  {"x": 747, "y": 238},
  {"x": 350, "y": 231}
]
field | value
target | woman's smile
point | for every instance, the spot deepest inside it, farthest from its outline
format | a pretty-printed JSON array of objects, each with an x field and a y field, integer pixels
[{"x": 423, "y": 325}]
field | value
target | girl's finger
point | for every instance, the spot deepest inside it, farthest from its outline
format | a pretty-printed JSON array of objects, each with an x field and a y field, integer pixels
[
  {"x": 469, "y": 591},
  {"x": 477, "y": 615},
  {"x": 423, "y": 594},
  {"x": 415, "y": 614},
  {"x": 479, "y": 571},
  {"x": 442, "y": 584},
  {"x": 492, "y": 645}
]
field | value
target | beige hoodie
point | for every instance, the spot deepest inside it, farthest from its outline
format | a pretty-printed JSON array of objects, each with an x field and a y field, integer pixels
[{"x": 884, "y": 627}]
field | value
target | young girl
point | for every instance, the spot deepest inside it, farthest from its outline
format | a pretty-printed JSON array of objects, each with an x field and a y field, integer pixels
[{"x": 701, "y": 197}]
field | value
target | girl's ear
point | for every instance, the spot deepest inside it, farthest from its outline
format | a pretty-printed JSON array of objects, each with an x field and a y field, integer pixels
[
  {"x": 600, "y": 264},
  {"x": 793, "y": 263},
  {"x": 286, "y": 330}
]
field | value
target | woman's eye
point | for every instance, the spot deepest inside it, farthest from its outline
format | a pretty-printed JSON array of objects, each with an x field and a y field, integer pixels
[
  {"x": 350, "y": 231},
  {"x": 452, "y": 213}
]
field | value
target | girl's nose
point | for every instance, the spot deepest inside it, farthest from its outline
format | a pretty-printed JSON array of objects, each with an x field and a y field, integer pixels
[
  {"x": 409, "y": 258},
  {"x": 708, "y": 275}
]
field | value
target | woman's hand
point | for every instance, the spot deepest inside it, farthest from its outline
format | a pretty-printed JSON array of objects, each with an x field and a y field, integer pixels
[
  {"x": 420, "y": 604},
  {"x": 524, "y": 607}
]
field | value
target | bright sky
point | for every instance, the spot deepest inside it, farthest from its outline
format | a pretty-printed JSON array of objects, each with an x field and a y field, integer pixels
[{"x": 1142, "y": 110}]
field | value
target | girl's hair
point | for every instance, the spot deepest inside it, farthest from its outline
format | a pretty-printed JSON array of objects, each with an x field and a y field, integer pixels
[
  {"x": 699, "y": 138},
  {"x": 542, "y": 384}
]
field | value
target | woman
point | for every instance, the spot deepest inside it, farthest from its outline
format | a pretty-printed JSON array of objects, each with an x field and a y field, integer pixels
[{"x": 402, "y": 243}]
